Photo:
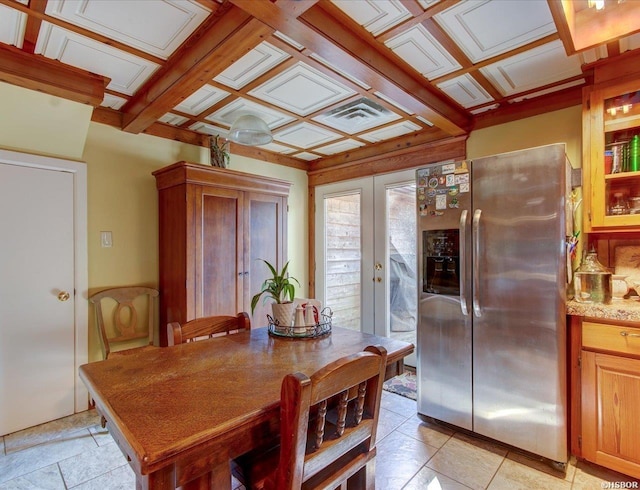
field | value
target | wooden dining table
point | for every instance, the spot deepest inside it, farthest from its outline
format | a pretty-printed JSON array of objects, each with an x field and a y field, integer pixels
[{"x": 180, "y": 414}]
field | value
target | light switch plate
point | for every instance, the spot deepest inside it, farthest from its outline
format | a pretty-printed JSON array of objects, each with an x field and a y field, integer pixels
[{"x": 106, "y": 239}]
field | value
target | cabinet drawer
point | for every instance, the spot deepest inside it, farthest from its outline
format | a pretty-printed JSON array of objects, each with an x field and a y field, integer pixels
[{"x": 615, "y": 338}]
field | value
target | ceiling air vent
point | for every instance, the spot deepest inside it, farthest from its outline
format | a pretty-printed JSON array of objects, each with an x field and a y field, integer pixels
[{"x": 356, "y": 116}]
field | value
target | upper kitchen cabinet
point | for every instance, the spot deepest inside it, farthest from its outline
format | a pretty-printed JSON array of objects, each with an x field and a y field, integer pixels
[
  {"x": 214, "y": 225},
  {"x": 611, "y": 133}
]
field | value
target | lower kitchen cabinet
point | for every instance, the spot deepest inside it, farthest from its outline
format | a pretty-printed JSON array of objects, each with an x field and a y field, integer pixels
[{"x": 610, "y": 395}]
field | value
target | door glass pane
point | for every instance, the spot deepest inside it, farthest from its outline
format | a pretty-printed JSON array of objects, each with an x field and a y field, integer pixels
[
  {"x": 343, "y": 255},
  {"x": 402, "y": 261}
]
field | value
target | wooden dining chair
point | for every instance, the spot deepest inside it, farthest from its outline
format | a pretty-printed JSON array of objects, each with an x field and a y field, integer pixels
[
  {"x": 117, "y": 313},
  {"x": 328, "y": 428},
  {"x": 207, "y": 327}
]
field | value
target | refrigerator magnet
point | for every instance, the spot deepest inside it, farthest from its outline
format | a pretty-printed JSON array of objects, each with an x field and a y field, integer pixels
[
  {"x": 450, "y": 181},
  {"x": 464, "y": 187},
  {"x": 462, "y": 178},
  {"x": 441, "y": 201},
  {"x": 449, "y": 168}
]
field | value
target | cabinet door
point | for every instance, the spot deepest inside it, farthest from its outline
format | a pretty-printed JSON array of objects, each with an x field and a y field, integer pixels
[
  {"x": 614, "y": 158},
  {"x": 218, "y": 248},
  {"x": 610, "y": 401},
  {"x": 265, "y": 238}
]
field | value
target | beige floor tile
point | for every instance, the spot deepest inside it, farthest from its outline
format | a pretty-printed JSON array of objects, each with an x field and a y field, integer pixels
[
  {"x": 388, "y": 422},
  {"x": 467, "y": 460},
  {"x": 399, "y": 457},
  {"x": 590, "y": 476},
  {"x": 91, "y": 464},
  {"x": 516, "y": 476},
  {"x": 122, "y": 478},
  {"x": 428, "y": 479},
  {"x": 47, "y": 478},
  {"x": 433, "y": 434},
  {"x": 50, "y": 431},
  {"x": 37, "y": 457},
  {"x": 398, "y": 404}
]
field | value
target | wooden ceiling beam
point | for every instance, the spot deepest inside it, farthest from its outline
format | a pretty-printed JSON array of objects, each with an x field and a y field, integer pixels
[
  {"x": 215, "y": 46},
  {"x": 321, "y": 33},
  {"x": 36, "y": 72},
  {"x": 436, "y": 151},
  {"x": 386, "y": 148}
]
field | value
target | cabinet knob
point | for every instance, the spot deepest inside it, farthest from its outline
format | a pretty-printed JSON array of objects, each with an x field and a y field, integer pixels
[
  {"x": 627, "y": 334},
  {"x": 63, "y": 296}
]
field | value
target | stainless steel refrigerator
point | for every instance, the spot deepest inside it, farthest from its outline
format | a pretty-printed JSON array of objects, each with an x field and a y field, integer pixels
[{"x": 491, "y": 339}]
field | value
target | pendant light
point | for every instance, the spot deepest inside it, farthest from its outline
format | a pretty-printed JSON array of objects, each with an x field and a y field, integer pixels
[{"x": 250, "y": 130}]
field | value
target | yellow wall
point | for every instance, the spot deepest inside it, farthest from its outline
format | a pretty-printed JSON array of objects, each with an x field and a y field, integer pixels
[
  {"x": 563, "y": 126},
  {"x": 42, "y": 124}
]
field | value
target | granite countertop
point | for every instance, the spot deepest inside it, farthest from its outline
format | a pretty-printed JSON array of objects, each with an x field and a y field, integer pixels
[{"x": 622, "y": 309}]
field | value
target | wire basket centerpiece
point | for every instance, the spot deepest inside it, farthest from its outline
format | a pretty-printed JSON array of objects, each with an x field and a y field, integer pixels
[{"x": 320, "y": 328}]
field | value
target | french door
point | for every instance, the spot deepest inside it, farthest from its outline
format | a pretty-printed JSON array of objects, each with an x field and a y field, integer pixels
[{"x": 366, "y": 254}]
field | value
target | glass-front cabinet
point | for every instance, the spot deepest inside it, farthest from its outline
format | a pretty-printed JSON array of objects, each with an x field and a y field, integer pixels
[{"x": 612, "y": 158}]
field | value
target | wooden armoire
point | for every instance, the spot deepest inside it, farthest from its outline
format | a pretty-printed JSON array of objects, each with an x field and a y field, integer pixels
[{"x": 214, "y": 226}]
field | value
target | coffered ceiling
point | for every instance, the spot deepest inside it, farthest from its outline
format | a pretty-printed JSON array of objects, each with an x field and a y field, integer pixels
[{"x": 335, "y": 80}]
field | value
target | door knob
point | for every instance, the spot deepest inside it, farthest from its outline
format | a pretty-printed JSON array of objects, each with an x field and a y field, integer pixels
[{"x": 63, "y": 296}]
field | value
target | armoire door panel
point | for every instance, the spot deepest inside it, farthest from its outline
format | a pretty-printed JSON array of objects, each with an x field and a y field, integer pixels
[
  {"x": 265, "y": 218},
  {"x": 221, "y": 254}
]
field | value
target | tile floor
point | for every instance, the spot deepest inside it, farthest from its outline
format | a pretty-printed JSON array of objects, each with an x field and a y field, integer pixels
[{"x": 75, "y": 452}]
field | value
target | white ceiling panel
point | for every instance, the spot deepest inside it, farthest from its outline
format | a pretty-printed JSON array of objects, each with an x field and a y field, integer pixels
[
  {"x": 427, "y": 3},
  {"x": 630, "y": 42},
  {"x": 393, "y": 131},
  {"x": 534, "y": 68},
  {"x": 277, "y": 148},
  {"x": 486, "y": 28},
  {"x": 209, "y": 129},
  {"x": 376, "y": 16},
  {"x": 201, "y": 99},
  {"x": 173, "y": 119},
  {"x": 394, "y": 103},
  {"x": 12, "y": 25},
  {"x": 253, "y": 64},
  {"x": 348, "y": 76},
  {"x": 127, "y": 72},
  {"x": 302, "y": 90},
  {"x": 305, "y": 135},
  {"x": 239, "y": 107},
  {"x": 420, "y": 49},
  {"x": 173, "y": 21},
  {"x": 339, "y": 147},
  {"x": 466, "y": 91},
  {"x": 356, "y": 116},
  {"x": 113, "y": 101},
  {"x": 305, "y": 155}
]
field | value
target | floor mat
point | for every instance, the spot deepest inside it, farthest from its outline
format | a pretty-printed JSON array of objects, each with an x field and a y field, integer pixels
[{"x": 403, "y": 384}]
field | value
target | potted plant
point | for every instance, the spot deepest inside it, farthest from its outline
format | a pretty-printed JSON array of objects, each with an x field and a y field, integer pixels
[
  {"x": 219, "y": 151},
  {"x": 280, "y": 288}
]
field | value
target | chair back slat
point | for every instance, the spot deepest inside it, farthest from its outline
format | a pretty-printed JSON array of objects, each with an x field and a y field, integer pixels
[{"x": 207, "y": 327}]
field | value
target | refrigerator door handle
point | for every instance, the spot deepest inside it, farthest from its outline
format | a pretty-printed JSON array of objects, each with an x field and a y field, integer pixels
[
  {"x": 475, "y": 235},
  {"x": 463, "y": 266}
]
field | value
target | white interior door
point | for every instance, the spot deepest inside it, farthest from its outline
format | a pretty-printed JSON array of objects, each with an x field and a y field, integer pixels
[
  {"x": 40, "y": 348},
  {"x": 366, "y": 253}
]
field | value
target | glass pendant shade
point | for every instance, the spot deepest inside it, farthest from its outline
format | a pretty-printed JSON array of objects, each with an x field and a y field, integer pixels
[{"x": 250, "y": 130}]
